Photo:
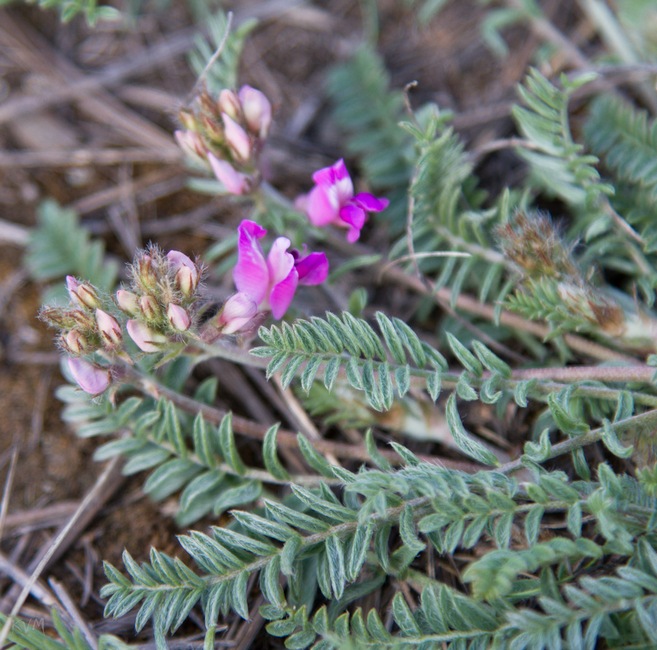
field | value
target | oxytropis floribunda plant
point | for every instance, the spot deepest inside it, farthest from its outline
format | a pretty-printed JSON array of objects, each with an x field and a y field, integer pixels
[
  {"x": 226, "y": 135},
  {"x": 158, "y": 311}
]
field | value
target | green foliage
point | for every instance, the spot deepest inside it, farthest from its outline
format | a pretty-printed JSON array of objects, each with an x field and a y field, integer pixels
[
  {"x": 60, "y": 246},
  {"x": 557, "y": 162},
  {"x": 369, "y": 113},
  {"x": 69, "y": 9},
  {"x": 223, "y": 72},
  {"x": 184, "y": 455}
]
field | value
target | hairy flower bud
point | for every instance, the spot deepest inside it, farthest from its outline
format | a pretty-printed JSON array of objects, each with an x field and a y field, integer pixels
[
  {"x": 89, "y": 377},
  {"x": 149, "y": 308},
  {"x": 128, "y": 302},
  {"x": 146, "y": 274},
  {"x": 82, "y": 293},
  {"x": 257, "y": 110},
  {"x": 75, "y": 343},
  {"x": 192, "y": 145},
  {"x": 178, "y": 318},
  {"x": 146, "y": 338},
  {"x": 186, "y": 273},
  {"x": 109, "y": 328},
  {"x": 229, "y": 103}
]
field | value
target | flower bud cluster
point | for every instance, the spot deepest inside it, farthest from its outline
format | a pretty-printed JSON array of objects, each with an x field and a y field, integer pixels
[
  {"x": 160, "y": 301},
  {"x": 226, "y": 135},
  {"x": 85, "y": 328}
]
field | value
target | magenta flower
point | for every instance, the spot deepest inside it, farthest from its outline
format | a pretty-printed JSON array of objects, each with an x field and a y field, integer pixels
[
  {"x": 272, "y": 282},
  {"x": 332, "y": 201},
  {"x": 89, "y": 377}
]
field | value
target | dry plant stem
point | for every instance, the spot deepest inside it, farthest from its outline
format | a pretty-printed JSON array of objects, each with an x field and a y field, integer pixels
[
  {"x": 20, "y": 577},
  {"x": 104, "y": 488},
  {"x": 130, "y": 66},
  {"x": 88, "y": 157},
  {"x": 7, "y": 490},
  {"x": 644, "y": 420},
  {"x": 68, "y": 604},
  {"x": 284, "y": 438},
  {"x": 17, "y": 523},
  {"x": 635, "y": 373}
]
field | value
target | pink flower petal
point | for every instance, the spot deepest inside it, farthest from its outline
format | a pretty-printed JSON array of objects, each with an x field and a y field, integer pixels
[
  {"x": 90, "y": 378},
  {"x": 354, "y": 217},
  {"x": 281, "y": 295},
  {"x": 235, "y": 182},
  {"x": 238, "y": 310},
  {"x": 279, "y": 261},
  {"x": 257, "y": 110},
  {"x": 146, "y": 339},
  {"x": 370, "y": 202},
  {"x": 237, "y": 138},
  {"x": 312, "y": 269},
  {"x": 336, "y": 178},
  {"x": 322, "y": 206},
  {"x": 251, "y": 274}
]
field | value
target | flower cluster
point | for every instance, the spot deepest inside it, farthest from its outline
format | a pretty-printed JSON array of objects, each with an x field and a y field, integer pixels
[
  {"x": 267, "y": 284},
  {"x": 85, "y": 328},
  {"x": 226, "y": 134},
  {"x": 332, "y": 201},
  {"x": 162, "y": 297}
]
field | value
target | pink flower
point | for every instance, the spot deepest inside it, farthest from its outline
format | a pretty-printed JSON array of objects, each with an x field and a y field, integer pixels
[
  {"x": 89, "y": 377},
  {"x": 237, "y": 139},
  {"x": 147, "y": 340},
  {"x": 185, "y": 271},
  {"x": 109, "y": 328},
  {"x": 178, "y": 318},
  {"x": 235, "y": 182},
  {"x": 257, "y": 110},
  {"x": 272, "y": 282},
  {"x": 237, "y": 312},
  {"x": 332, "y": 201}
]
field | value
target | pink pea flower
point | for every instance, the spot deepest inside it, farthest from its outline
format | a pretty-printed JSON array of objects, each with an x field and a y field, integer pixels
[
  {"x": 147, "y": 339},
  {"x": 332, "y": 201},
  {"x": 186, "y": 272},
  {"x": 89, "y": 377},
  {"x": 235, "y": 182},
  {"x": 257, "y": 110},
  {"x": 178, "y": 318},
  {"x": 272, "y": 282},
  {"x": 237, "y": 312}
]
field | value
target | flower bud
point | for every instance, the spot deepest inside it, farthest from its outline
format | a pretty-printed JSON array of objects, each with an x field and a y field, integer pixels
[
  {"x": 149, "y": 308},
  {"x": 75, "y": 343},
  {"x": 82, "y": 319},
  {"x": 188, "y": 120},
  {"x": 89, "y": 377},
  {"x": 192, "y": 145},
  {"x": 127, "y": 302},
  {"x": 229, "y": 103},
  {"x": 257, "y": 110},
  {"x": 186, "y": 273},
  {"x": 146, "y": 339},
  {"x": 178, "y": 318},
  {"x": 238, "y": 310},
  {"x": 82, "y": 293},
  {"x": 237, "y": 139},
  {"x": 235, "y": 182},
  {"x": 145, "y": 272},
  {"x": 109, "y": 328}
]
